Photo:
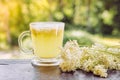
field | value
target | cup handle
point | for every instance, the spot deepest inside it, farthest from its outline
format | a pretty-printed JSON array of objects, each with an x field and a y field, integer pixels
[{"x": 20, "y": 43}]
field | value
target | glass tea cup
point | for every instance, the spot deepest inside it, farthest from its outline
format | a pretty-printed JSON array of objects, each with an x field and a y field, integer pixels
[{"x": 47, "y": 39}]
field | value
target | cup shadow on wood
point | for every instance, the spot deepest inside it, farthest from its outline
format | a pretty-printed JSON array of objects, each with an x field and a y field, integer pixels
[{"x": 46, "y": 73}]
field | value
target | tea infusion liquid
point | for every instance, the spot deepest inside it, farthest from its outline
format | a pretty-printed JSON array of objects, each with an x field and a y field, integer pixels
[{"x": 47, "y": 42}]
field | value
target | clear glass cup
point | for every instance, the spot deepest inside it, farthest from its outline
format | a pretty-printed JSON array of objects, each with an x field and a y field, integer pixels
[{"x": 47, "y": 39}]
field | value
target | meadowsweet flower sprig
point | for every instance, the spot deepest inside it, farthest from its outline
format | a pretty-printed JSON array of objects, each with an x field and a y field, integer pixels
[{"x": 97, "y": 58}]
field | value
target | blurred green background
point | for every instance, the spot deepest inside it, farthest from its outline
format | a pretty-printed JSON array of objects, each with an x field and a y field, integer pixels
[{"x": 87, "y": 21}]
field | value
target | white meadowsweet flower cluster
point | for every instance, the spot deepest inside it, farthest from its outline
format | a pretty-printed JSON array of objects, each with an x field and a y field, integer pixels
[
  {"x": 100, "y": 70},
  {"x": 70, "y": 55},
  {"x": 97, "y": 59}
]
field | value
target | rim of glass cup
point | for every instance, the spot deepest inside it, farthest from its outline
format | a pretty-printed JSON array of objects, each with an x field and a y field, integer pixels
[{"x": 47, "y": 24}]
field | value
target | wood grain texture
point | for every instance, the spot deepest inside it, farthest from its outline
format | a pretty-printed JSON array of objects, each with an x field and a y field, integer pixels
[{"x": 23, "y": 70}]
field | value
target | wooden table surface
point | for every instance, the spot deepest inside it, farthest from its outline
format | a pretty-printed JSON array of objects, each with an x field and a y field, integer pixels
[{"x": 23, "y": 70}]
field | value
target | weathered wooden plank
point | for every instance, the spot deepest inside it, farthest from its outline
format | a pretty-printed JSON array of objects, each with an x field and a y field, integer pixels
[
  {"x": 23, "y": 70},
  {"x": 14, "y": 61}
]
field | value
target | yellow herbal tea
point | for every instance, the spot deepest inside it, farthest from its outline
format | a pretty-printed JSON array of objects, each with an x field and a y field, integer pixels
[{"x": 47, "y": 42}]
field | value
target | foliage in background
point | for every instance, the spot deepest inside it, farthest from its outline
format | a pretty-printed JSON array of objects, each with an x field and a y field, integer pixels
[
  {"x": 95, "y": 16},
  {"x": 83, "y": 38}
]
